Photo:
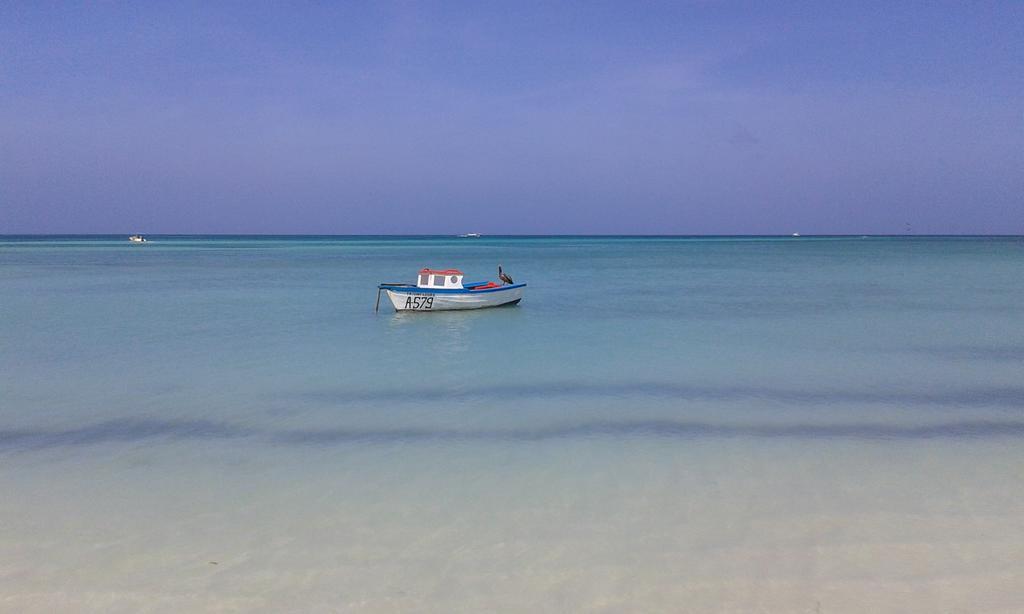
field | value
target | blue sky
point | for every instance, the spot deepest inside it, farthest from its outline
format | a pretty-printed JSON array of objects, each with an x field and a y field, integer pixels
[{"x": 512, "y": 117}]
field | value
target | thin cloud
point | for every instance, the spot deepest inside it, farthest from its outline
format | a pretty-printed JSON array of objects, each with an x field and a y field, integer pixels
[{"x": 743, "y": 137}]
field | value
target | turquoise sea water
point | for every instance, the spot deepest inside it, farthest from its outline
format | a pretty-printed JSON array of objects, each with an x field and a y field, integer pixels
[{"x": 663, "y": 424}]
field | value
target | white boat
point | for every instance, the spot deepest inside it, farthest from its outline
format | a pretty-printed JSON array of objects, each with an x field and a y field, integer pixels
[
  {"x": 470, "y": 235},
  {"x": 137, "y": 239},
  {"x": 796, "y": 234},
  {"x": 444, "y": 290}
]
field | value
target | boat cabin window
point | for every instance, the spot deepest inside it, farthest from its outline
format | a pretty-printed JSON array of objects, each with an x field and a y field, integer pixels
[{"x": 440, "y": 279}]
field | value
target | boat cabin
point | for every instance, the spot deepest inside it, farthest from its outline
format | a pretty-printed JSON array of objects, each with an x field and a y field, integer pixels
[{"x": 447, "y": 279}]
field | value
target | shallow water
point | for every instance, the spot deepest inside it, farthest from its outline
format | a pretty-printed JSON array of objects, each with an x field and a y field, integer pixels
[{"x": 663, "y": 424}]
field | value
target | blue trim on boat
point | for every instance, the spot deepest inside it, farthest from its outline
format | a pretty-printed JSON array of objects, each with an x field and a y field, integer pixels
[{"x": 410, "y": 289}]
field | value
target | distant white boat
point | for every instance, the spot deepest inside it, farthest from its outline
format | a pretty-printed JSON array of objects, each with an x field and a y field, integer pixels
[
  {"x": 445, "y": 291},
  {"x": 137, "y": 239},
  {"x": 796, "y": 234},
  {"x": 470, "y": 235}
]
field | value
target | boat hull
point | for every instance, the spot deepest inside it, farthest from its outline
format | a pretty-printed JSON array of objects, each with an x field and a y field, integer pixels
[{"x": 422, "y": 299}]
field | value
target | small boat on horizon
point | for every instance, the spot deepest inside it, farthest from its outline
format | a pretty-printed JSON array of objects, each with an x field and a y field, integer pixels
[
  {"x": 444, "y": 290},
  {"x": 796, "y": 234},
  {"x": 137, "y": 239},
  {"x": 470, "y": 235}
]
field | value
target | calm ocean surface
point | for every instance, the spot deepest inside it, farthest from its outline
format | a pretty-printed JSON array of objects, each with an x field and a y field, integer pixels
[{"x": 663, "y": 424}]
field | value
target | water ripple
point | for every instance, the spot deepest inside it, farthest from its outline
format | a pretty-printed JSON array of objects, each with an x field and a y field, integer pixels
[
  {"x": 130, "y": 431},
  {"x": 1006, "y": 396}
]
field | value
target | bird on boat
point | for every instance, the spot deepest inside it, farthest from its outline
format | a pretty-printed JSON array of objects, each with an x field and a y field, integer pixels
[{"x": 503, "y": 276}]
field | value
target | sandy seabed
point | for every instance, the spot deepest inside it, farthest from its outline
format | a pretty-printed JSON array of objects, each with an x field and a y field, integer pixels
[{"x": 719, "y": 525}]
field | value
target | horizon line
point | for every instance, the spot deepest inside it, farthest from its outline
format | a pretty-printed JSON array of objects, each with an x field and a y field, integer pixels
[{"x": 507, "y": 235}]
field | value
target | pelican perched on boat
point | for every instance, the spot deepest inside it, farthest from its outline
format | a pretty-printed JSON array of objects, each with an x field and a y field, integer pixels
[
  {"x": 503, "y": 276},
  {"x": 443, "y": 290}
]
